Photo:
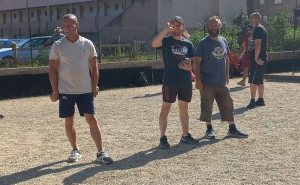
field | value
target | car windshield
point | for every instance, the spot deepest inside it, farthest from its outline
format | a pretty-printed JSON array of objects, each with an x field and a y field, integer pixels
[{"x": 22, "y": 42}]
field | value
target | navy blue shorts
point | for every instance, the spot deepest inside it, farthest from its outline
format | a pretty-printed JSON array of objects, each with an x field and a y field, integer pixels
[{"x": 84, "y": 102}]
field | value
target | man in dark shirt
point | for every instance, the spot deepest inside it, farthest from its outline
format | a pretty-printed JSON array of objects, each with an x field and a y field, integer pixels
[
  {"x": 177, "y": 79},
  {"x": 257, "y": 50},
  {"x": 212, "y": 76}
]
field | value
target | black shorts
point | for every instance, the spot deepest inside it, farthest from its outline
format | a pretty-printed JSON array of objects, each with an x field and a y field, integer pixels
[
  {"x": 257, "y": 72},
  {"x": 85, "y": 104},
  {"x": 184, "y": 90}
]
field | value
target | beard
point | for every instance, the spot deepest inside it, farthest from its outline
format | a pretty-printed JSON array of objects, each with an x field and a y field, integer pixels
[{"x": 213, "y": 34}]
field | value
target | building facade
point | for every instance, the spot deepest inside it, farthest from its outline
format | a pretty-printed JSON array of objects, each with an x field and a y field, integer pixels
[
  {"x": 125, "y": 19},
  {"x": 268, "y": 8}
]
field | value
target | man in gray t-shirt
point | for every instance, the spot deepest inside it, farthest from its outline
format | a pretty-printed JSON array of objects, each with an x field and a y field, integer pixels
[
  {"x": 212, "y": 76},
  {"x": 74, "y": 74},
  {"x": 58, "y": 35}
]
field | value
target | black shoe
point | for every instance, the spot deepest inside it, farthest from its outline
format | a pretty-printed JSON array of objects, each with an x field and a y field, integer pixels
[
  {"x": 251, "y": 105},
  {"x": 237, "y": 133},
  {"x": 260, "y": 103},
  {"x": 188, "y": 139},
  {"x": 164, "y": 143},
  {"x": 209, "y": 134}
]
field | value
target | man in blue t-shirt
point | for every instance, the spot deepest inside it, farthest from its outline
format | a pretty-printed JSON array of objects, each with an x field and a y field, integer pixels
[
  {"x": 212, "y": 76},
  {"x": 177, "y": 79}
]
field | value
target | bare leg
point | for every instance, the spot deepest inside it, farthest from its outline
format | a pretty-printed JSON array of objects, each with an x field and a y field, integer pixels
[
  {"x": 184, "y": 116},
  {"x": 163, "y": 118},
  {"x": 245, "y": 73},
  {"x": 94, "y": 130},
  {"x": 253, "y": 88},
  {"x": 71, "y": 131},
  {"x": 261, "y": 89}
]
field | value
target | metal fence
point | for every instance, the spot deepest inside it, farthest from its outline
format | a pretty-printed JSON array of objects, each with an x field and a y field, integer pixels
[{"x": 113, "y": 44}]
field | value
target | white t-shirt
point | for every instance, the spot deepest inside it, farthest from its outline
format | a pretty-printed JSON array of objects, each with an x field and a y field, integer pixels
[{"x": 74, "y": 68}]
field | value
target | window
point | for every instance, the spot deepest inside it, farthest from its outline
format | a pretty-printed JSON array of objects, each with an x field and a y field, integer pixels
[
  {"x": 91, "y": 9},
  {"x": 32, "y": 14},
  {"x": 265, "y": 18},
  {"x": 116, "y": 6},
  {"x": 68, "y": 10},
  {"x": 46, "y": 13},
  {"x": 15, "y": 16},
  {"x": 123, "y": 6},
  {"x": 74, "y": 11},
  {"x": 278, "y": 1},
  {"x": 262, "y": 1}
]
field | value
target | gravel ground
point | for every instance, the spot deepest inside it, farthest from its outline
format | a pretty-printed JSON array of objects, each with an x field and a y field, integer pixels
[{"x": 36, "y": 148}]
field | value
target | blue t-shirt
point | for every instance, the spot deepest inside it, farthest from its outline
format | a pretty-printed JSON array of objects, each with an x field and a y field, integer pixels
[
  {"x": 213, "y": 64},
  {"x": 173, "y": 52}
]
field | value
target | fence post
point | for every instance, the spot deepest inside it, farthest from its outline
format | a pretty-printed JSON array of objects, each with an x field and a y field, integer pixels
[
  {"x": 14, "y": 48},
  {"x": 155, "y": 48},
  {"x": 100, "y": 45},
  {"x": 20, "y": 33},
  {"x": 134, "y": 50},
  {"x": 1, "y": 33}
]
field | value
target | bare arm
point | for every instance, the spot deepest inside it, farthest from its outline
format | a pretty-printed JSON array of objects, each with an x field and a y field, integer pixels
[
  {"x": 53, "y": 65},
  {"x": 199, "y": 84},
  {"x": 243, "y": 46},
  {"x": 157, "y": 41},
  {"x": 46, "y": 43},
  {"x": 95, "y": 75},
  {"x": 227, "y": 69},
  {"x": 257, "y": 48}
]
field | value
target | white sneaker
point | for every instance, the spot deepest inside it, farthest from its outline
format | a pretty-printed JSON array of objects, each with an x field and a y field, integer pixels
[
  {"x": 241, "y": 83},
  {"x": 75, "y": 155},
  {"x": 103, "y": 157}
]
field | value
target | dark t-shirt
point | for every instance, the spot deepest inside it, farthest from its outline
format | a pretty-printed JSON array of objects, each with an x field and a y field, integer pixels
[
  {"x": 259, "y": 32},
  {"x": 213, "y": 64},
  {"x": 173, "y": 52}
]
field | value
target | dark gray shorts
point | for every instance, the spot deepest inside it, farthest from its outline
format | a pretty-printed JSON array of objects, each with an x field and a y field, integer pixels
[{"x": 184, "y": 90}]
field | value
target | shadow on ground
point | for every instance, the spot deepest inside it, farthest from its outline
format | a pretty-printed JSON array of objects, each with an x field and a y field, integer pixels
[
  {"x": 239, "y": 88},
  {"x": 148, "y": 95},
  {"x": 282, "y": 78},
  {"x": 137, "y": 160}
]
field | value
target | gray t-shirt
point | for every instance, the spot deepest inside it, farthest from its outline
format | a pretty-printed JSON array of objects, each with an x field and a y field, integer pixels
[
  {"x": 74, "y": 67},
  {"x": 213, "y": 64},
  {"x": 56, "y": 37}
]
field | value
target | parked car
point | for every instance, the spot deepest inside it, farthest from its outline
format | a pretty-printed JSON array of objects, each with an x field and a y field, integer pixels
[{"x": 25, "y": 55}]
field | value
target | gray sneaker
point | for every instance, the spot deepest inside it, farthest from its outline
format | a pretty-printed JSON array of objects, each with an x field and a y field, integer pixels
[
  {"x": 241, "y": 83},
  {"x": 210, "y": 134},
  {"x": 237, "y": 133},
  {"x": 75, "y": 155},
  {"x": 103, "y": 157}
]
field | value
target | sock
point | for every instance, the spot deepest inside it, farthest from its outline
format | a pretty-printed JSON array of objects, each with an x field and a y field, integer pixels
[
  {"x": 209, "y": 126},
  {"x": 76, "y": 149},
  {"x": 260, "y": 99},
  {"x": 99, "y": 152},
  {"x": 184, "y": 135},
  {"x": 252, "y": 100},
  {"x": 232, "y": 127}
]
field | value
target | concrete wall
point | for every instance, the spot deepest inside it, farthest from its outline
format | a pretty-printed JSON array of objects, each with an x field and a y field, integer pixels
[
  {"x": 229, "y": 9},
  {"x": 138, "y": 21}
]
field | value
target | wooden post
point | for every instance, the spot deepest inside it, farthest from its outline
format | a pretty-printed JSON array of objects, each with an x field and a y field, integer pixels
[
  {"x": 14, "y": 48},
  {"x": 134, "y": 50}
]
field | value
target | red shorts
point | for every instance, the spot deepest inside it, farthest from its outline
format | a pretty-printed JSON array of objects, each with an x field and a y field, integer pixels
[{"x": 246, "y": 62}]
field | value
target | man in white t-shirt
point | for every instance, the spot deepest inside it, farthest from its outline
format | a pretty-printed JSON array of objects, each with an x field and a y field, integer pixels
[{"x": 71, "y": 59}]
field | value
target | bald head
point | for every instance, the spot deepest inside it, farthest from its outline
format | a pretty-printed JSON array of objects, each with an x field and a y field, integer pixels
[{"x": 70, "y": 16}]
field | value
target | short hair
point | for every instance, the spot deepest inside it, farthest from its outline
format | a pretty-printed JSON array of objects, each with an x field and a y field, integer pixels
[
  {"x": 217, "y": 18},
  {"x": 256, "y": 15},
  {"x": 70, "y": 16}
]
